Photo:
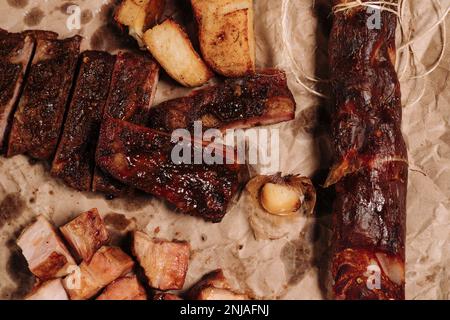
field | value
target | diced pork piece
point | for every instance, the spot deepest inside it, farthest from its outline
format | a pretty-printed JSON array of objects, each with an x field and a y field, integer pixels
[
  {"x": 16, "y": 51},
  {"x": 86, "y": 234},
  {"x": 107, "y": 265},
  {"x": 45, "y": 252},
  {"x": 165, "y": 263},
  {"x": 49, "y": 290},
  {"x": 166, "y": 296},
  {"x": 214, "y": 286},
  {"x": 125, "y": 288}
]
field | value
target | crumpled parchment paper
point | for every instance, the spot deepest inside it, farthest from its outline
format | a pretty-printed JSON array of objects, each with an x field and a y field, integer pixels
[{"x": 291, "y": 264}]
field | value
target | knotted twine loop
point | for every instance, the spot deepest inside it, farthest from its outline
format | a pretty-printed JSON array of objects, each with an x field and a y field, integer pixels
[{"x": 405, "y": 50}]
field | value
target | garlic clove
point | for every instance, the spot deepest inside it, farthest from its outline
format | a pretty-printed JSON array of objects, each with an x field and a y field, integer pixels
[{"x": 280, "y": 199}]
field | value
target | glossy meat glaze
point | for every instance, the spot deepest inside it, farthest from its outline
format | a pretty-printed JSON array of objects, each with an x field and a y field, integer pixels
[{"x": 371, "y": 168}]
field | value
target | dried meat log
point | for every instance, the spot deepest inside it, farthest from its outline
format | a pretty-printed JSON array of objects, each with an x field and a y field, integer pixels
[
  {"x": 16, "y": 51},
  {"x": 260, "y": 99},
  {"x": 39, "y": 117},
  {"x": 74, "y": 159},
  {"x": 371, "y": 169},
  {"x": 133, "y": 87},
  {"x": 141, "y": 157}
]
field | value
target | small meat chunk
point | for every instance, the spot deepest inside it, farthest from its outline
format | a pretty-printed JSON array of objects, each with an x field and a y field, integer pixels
[
  {"x": 45, "y": 252},
  {"x": 49, "y": 290},
  {"x": 125, "y": 288},
  {"x": 107, "y": 265},
  {"x": 165, "y": 263},
  {"x": 166, "y": 296},
  {"x": 86, "y": 234},
  {"x": 214, "y": 286}
]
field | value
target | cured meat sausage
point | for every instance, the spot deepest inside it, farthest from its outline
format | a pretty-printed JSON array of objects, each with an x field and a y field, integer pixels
[{"x": 371, "y": 169}]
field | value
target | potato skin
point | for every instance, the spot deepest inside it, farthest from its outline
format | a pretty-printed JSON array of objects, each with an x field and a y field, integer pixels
[
  {"x": 139, "y": 15},
  {"x": 226, "y": 35}
]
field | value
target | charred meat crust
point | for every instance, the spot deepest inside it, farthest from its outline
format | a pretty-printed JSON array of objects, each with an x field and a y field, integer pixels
[
  {"x": 371, "y": 168},
  {"x": 141, "y": 157},
  {"x": 16, "y": 50},
  {"x": 40, "y": 113},
  {"x": 132, "y": 87},
  {"x": 74, "y": 159},
  {"x": 259, "y": 99},
  {"x": 132, "y": 91}
]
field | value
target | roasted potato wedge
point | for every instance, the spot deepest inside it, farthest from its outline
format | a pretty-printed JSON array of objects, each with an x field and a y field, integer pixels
[
  {"x": 171, "y": 46},
  {"x": 226, "y": 35},
  {"x": 139, "y": 15}
]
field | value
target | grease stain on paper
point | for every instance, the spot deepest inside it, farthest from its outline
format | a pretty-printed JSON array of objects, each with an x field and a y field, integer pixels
[
  {"x": 19, "y": 4},
  {"x": 131, "y": 203},
  {"x": 17, "y": 268},
  {"x": 11, "y": 207},
  {"x": 33, "y": 17},
  {"x": 297, "y": 258},
  {"x": 86, "y": 16},
  {"x": 65, "y": 6},
  {"x": 117, "y": 221}
]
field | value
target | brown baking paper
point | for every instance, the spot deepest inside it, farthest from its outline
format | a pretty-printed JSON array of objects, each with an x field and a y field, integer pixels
[{"x": 270, "y": 259}]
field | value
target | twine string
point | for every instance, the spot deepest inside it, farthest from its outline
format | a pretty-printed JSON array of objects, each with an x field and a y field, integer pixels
[{"x": 407, "y": 59}]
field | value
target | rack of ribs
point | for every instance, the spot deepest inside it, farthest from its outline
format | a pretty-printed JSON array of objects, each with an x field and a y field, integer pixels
[
  {"x": 16, "y": 51},
  {"x": 141, "y": 158},
  {"x": 259, "y": 99},
  {"x": 74, "y": 159},
  {"x": 39, "y": 117},
  {"x": 133, "y": 87}
]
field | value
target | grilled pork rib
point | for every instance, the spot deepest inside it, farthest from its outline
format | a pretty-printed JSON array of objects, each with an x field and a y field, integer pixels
[
  {"x": 133, "y": 87},
  {"x": 74, "y": 159},
  {"x": 260, "y": 99},
  {"x": 141, "y": 157},
  {"x": 39, "y": 117},
  {"x": 16, "y": 51}
]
